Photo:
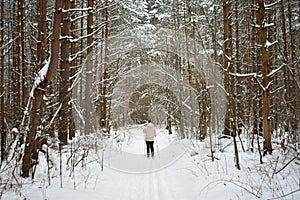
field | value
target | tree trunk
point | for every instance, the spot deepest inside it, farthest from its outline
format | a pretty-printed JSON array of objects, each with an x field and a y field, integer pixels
[
  {"x": 253, "y": 103},
  {"x": 294, "y": 69},
  {"x": 24, "y": 87},
  {"x": 42, "y": 44},
  {"x": 226, "y": 62},
  {"x": 103, "y": 119},
  {"x": 74, "y": 49},
  {"x": 17, "y": 65},
  {"x": 204, "y": 104},
  {"x": 64, "y": 93},
  {"x": 2, "y": 96},
  {"x": 89, "y": 73},
  {"x": 234, "y": 92},
  {"x": 39, "y": 91},
  {"x": 266, "y": 87},
  {"x": 189, "y": 34}
]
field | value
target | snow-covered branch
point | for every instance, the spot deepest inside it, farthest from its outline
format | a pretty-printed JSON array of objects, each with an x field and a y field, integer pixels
[
  {"x": 79, "y": 17},
  {"x": 255, "y": 75},
  {"x": 9, "y": 42},
  {"x": 276, "y": 70},
  {"x": 268, "y": 86},
  {"x": 40, "y": 76},
  {"x": 71, "y": 58},
  {"x": 78, "y": 111},
  {"x": 269, "y": 6},
  {"x": 54, "y": 116},
  {"x": 77, "y": 9},
  {"x": 222, "y": 87},
  {"x": 267, "y": 25},
  {"x": 269, "y": 44}
]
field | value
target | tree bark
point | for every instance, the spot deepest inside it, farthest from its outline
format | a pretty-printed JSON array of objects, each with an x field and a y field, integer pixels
[
  {"x": 39, "y": 91},
  {"x": 16, "y": 74},
  {"x": 24, "y": 87},
  {"x": 64, "y": 93},
  {"x": 294, "y": 69},
  {"x": 104, "y": 110},
  {"x": 42, "y": 44},
  {"x": 226, "y": 62},
  {"x": 73, "y": 64},
  {"x": 2, "y": 95},
  {"x": 254, "y": 89},
  {"x": 204, "y": 104},
  {"x": 267, "y": 148},
  {"x": 235, "y": 114},
  {"x": 89, "y": 73}
]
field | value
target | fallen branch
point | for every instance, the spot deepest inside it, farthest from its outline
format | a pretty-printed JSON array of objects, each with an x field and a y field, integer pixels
[
  {"x": 234, "y": 183},
  {"x": 287, "y": 164},
  {"x": 285, "y": 195}
]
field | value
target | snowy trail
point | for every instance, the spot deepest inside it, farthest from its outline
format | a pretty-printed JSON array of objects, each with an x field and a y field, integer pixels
[
  {"x": 160, "y": 185},
  {"x": 161, "y": 178},
  {"x": 129, "y": 175},
  {"x": 150, "y": 180}
]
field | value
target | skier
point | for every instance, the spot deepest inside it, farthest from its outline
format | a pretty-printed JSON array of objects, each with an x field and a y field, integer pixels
[
  {"x": 149, "y": 133},
  {"x": 169, "y": 125}
]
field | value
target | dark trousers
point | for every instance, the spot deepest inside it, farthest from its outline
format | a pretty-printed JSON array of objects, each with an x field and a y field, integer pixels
[{"x": 150, "y": 148}]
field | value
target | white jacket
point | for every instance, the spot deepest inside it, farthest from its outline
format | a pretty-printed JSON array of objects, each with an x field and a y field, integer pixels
[{"x": 149, "y": 132}]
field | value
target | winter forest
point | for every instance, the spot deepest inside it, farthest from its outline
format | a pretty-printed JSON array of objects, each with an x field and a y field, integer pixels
[{"x": 219, "y": 79}]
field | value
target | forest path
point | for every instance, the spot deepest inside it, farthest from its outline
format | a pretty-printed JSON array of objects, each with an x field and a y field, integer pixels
[
  {"x": 169, "y": 183},
  {"x": 162, "y": 178},
  {"x": 128, "y": 174}
]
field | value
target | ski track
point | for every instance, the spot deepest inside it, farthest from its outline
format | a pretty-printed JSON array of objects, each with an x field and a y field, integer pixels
[
  {"x": 160, "y": 182},
  {"x": 147, "y": 186},
  {"x": 148, "y": 179},
  {"x": 153, "y": 184}
]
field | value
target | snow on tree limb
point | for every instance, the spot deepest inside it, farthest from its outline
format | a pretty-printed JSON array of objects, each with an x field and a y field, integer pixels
[
  {"x": 40, "y": 76},
  {"x": 276, "y": 70},
  {"x": 269, "y": 44},
  {"x": 255, "y": 75},
  {"x": 54, "y": 116},
  {"x": 268, "y": 86},
  {"x": 269, "y": 6},
  {"x": 267, "y": 25}
]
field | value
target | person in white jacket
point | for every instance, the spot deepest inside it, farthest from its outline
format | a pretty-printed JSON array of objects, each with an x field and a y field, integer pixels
[{"x": 149, "y": 133}]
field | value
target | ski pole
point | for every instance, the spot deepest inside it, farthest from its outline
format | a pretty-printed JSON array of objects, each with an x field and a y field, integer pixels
[
  {"x": 157, "y": 146},
  {"x": 144, "y": 148}
]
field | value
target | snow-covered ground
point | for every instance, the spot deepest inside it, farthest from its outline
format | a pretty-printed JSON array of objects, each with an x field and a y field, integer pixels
[{"x": 180, "y": 170}]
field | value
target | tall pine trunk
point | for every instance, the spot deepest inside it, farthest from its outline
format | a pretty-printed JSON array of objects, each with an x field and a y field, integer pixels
[
  {"x": 104, "y": 88},
  {"x": 64, "y": 93},
  {"x": 23, "y": 80},
  {"x": 39, "y": 91},
  {"x": 294, "y": 69},
  {"x": 2, "y": 96},
  {"x": 89, "y": 72},
  {"x": 73, "y": 64},
  {"x": 226, "y": 62},
  {"x": 267, "y": 148}
]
